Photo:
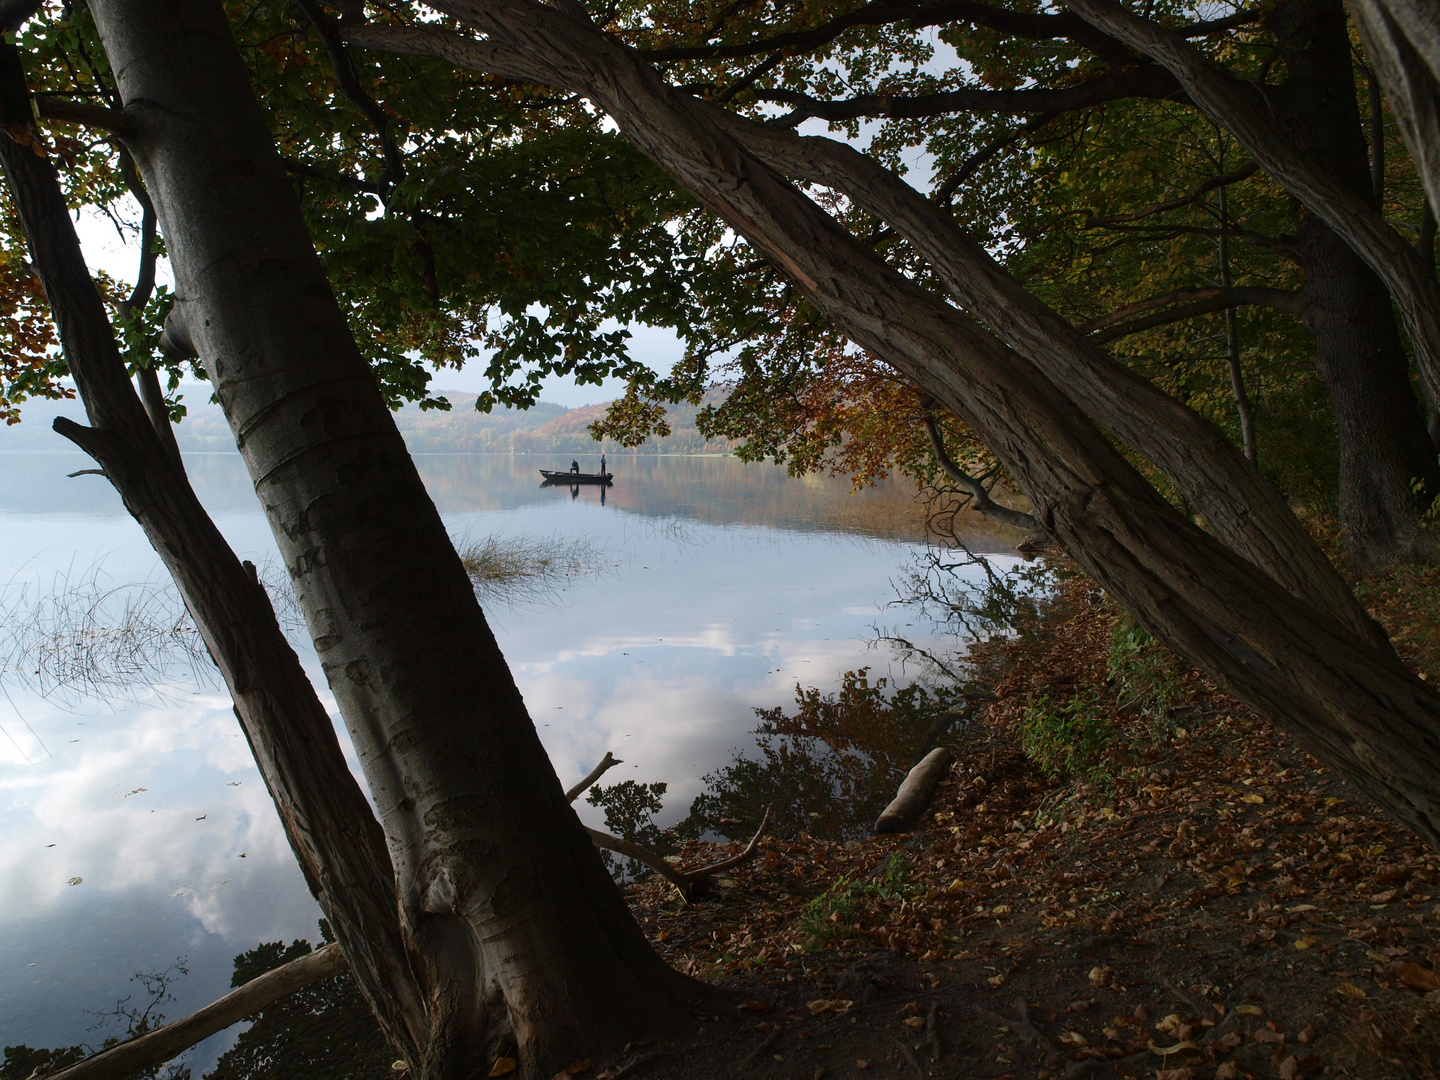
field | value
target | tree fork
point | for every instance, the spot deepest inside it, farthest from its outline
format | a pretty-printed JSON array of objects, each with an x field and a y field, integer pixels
[{"x": 329, "y": 825}]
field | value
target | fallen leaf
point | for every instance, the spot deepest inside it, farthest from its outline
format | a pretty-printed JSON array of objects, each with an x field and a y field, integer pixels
[
  {"x": 1418, "y": 978},
  {"x": 1227, "y": 1071},
  {"x": 996, "y": 980},
  {"x": 1168, "y": 1023},
  {"x": 1386, "y": 897},
  {"x": 575, "y": 1068},
  {"x": 861, "y": 1063},
  {"x": 1264, "y": 1035},
  {"x": 1182, "y": 1073},
  {"x": 1166, "y": 1051},
  {"x": 1249, "y": 1010},
  {"x": 1231, "y": 1039},
  {"x": 1253, "y": 799},
  {"x": 1306, "y": 1037},
  {"x": 398, "y": 1066},
  {"x": 1073, "y": 1038},
  {"x": 1305, "y": 943},
  {"x": 1350, "y": 991},
  {"x": 1289, "y": 1068},
  {"x": 502, "y": 1066},
  {"x": 1298, "y": 908},
  {"x": 916, "y": 1022},
  {"x": 755, "y": 1006},
  {"x": 1100, "y": 976}
]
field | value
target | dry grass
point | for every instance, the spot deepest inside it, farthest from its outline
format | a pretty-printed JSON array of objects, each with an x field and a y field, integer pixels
[{"x": 517, "y": 569}]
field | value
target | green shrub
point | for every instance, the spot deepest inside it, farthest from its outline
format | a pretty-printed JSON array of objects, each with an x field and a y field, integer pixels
[
  {"x": 1067, "y": 739},
  {"x": 835, "y": 911},
  {"x": 1146, "y": 677}
]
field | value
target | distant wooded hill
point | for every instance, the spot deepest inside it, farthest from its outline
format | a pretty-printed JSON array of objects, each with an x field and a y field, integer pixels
[{"x": 544, "y": 429}]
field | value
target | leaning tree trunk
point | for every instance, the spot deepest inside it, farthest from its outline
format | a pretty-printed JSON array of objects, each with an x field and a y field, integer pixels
[
  {"x": 1402, "y": 41},
  {"x": 1384, "y": 447},
  {"x": 1354, "y": 702},
  {"x": 331, "y": 828},
  {"x": 505, "y": 904}
]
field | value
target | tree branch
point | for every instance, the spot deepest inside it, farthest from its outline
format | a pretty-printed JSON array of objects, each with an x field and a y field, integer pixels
[
  {"x": 1195, "y": 195},
  {"x": 1201, "y": 302},
  {"x": 1147, "y": 83},
  {"x": 330, "y": 38},
  {"x": 917, "y": 17},
  {"x": 608, "y": 762},
  {"x": 976, "y": 161},
  {"x": 979, "y": 497},
  {"x": 65, "y": 111},
  {"x": 167, "y": 1042}
]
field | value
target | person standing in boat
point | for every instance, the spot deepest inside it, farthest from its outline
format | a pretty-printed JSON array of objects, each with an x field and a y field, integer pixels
[
  {"x": 602, "y": 463},
  {"x": 574, "y": 465}
]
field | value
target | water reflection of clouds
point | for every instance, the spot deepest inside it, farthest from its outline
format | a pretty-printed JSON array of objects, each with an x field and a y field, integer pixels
[{"x": 718, "y": 618}]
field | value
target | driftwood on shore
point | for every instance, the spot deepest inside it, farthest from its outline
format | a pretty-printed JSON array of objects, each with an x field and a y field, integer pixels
[
  {"x": 916, "y": 791},
  {"x": 162, "y": 1044}
]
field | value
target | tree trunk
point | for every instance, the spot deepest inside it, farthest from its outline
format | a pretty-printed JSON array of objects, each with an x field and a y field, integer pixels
[
  {"x": 504, "y": 902},
  {"x": 1402, "y": 41},
  {"x": 331, "y": 828},
  {"x": 1384, "y": 447},
  {"x": 1355, "y": 703}
]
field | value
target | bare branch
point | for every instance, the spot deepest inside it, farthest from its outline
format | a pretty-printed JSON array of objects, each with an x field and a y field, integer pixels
[
  {"x": 687, "y": 881},
  {"x": 608, "y": 762},
  {"x": 980, "y": 498},
  {"x": 1020, "y": 24},
  {"x": 165, "y": 1043}
]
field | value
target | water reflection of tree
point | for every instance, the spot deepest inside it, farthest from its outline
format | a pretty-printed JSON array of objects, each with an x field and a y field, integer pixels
[
  {"x": 828, "y": 768},
  {"x": 323, "y": 1031}
]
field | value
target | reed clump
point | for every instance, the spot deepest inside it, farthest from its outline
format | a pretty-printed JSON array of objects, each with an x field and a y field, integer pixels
[{"x": 518, "y": 568}]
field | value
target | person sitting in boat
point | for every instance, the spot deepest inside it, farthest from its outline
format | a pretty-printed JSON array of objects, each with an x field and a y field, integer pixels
[{"x": 574, "y": 466}]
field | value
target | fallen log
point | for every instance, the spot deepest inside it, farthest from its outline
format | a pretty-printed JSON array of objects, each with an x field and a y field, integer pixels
[
  {"x": 915, "y": 793},
  {"x": 162, "y": 1044}
]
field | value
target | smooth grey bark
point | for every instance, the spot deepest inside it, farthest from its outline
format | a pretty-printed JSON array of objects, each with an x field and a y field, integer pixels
[
  {"x": 327, "y": 821},
  {"x": 506, "y": 908},
  {"x": 1349, "y": 699}
]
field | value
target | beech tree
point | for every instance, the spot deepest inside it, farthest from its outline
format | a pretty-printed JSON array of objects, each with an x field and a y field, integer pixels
[{"x": 475, "y": 910}]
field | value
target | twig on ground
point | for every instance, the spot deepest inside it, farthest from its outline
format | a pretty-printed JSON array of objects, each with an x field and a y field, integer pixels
[
  {"x": 909, "y": 1056},
  {"x": 764, "y": 1047},
  {"x": 932, "y": 1034}
]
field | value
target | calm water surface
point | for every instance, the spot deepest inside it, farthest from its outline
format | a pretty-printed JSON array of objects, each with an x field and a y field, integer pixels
[{"x": 136, "y": 829}]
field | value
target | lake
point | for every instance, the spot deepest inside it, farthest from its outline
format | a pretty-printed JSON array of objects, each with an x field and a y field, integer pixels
[{"x": 137, "y": 830}]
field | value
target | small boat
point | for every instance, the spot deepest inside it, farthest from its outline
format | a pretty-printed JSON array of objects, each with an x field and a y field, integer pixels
[{"x": 553, "y": 477}]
